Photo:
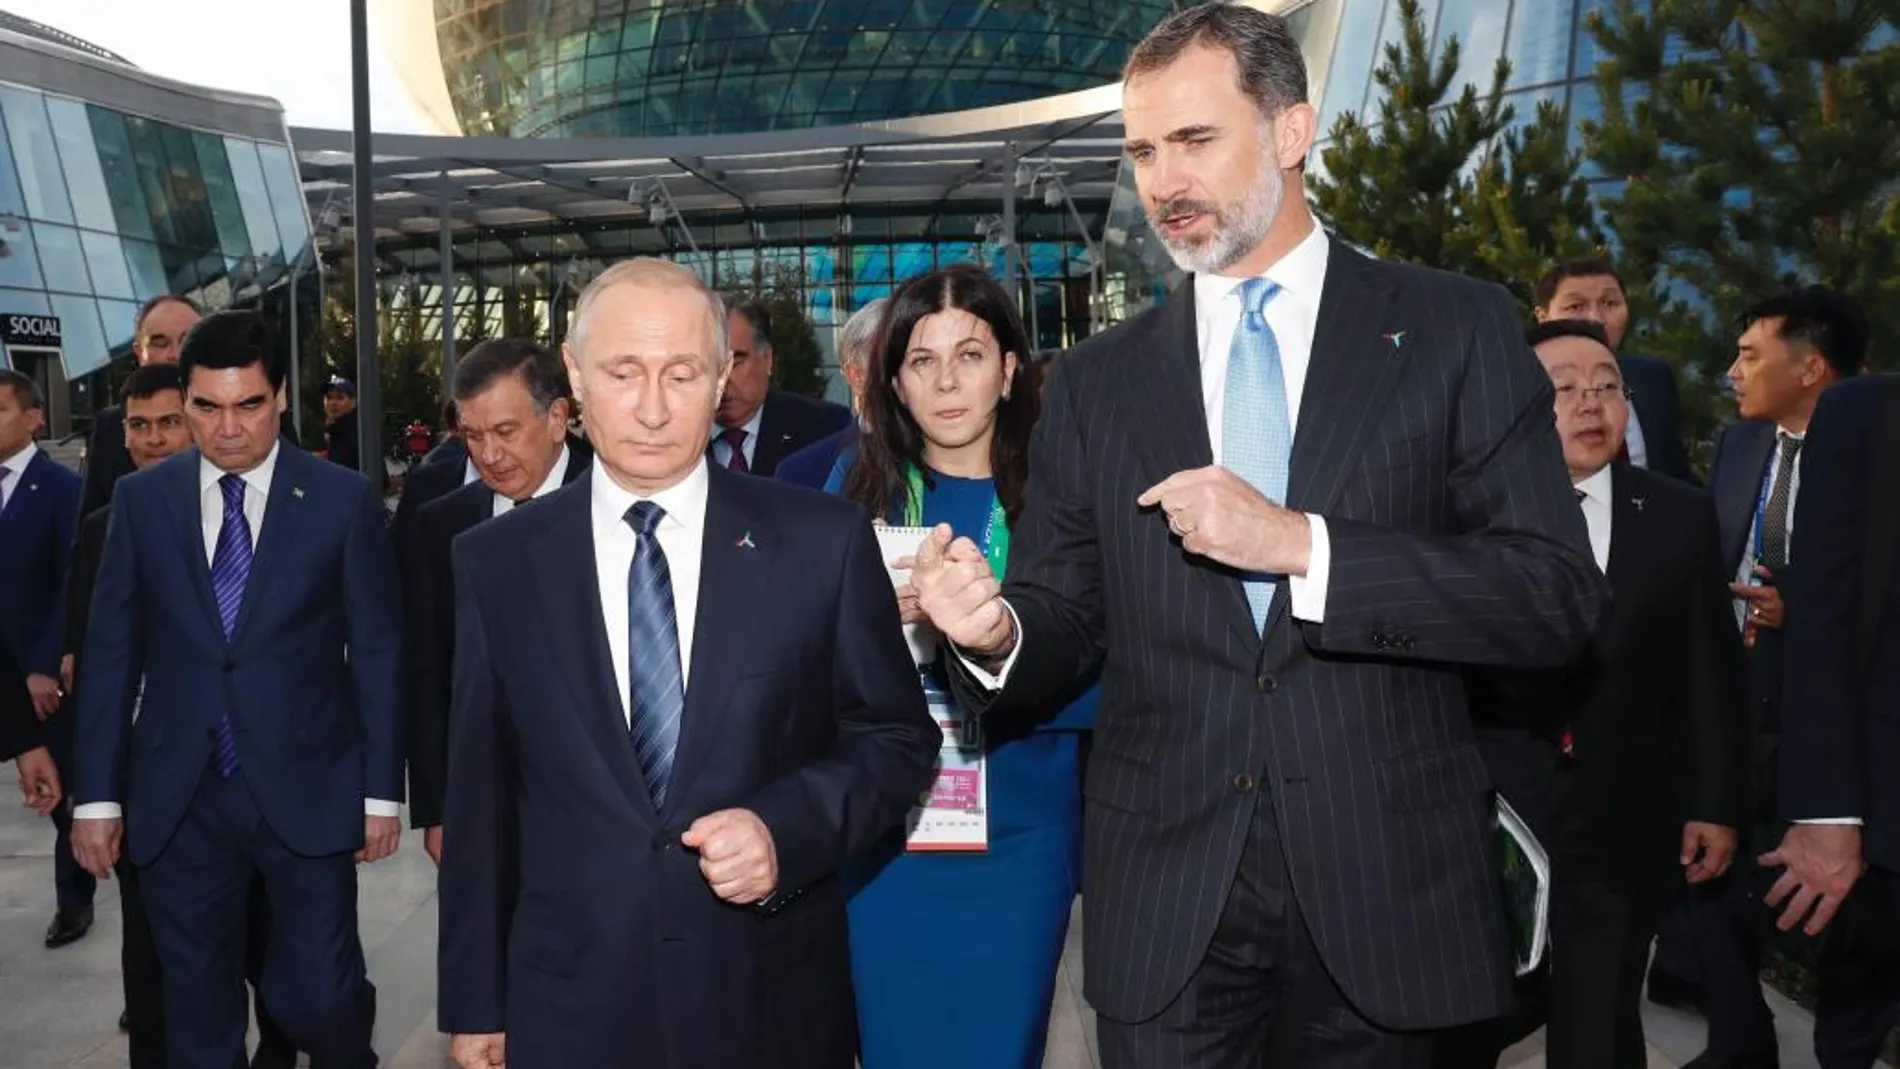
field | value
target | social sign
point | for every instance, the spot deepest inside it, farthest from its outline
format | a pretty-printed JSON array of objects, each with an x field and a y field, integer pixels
[{"x": 29, "y": 330}]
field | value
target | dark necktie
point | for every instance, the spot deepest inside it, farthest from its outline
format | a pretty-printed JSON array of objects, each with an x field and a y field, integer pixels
[
  {"x": 230, "y": 571},
  {"x": 4, "y": 495},
  {"x": 653, "y": 654},
  {"x": 734, "y": 437},
  {"x": 1774, "y": 521}
]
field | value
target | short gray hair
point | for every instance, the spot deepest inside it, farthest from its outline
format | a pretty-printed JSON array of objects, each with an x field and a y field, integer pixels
[
  {"x": 859, "y": 335},
  {"x": 1272, "y": 70},
  {"x": 659, "y": 274}
]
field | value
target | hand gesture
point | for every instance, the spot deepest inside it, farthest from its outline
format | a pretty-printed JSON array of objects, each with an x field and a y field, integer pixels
[
  {"x": 96, "y": 844},
  {"x": 1220, "y": 516},
  {"x": 958, "y": 593},
  {"x": 1764, "y": 602},
  {"x": 432, "y": 844},
  {"x": 39, "y": 780},
  {"x": 1823, "y": 862},
  {"x": 736, "y": 855},
  {"x": 480, "y": 1052},
  {"x": 1707, "y": 850},
  {"x": 380, "y": 837},
  {"x": 46, "y": 694}
]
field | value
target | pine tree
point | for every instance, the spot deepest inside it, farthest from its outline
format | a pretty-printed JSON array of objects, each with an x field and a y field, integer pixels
[
  {"x": 1759, "y": 148},
  {"x": 1454, "y": 182}
]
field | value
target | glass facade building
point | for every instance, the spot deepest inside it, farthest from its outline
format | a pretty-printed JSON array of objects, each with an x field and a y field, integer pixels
[
  {"x": 117, "y": 186},
  {"x": 531, "y": 68}
]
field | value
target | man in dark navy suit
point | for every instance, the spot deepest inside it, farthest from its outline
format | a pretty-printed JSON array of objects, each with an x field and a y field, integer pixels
[
  {"x": 39, "y": 515},
  {"x": 857, "y": 343},
  {"x": 682, "y": 698},
  {"x": 1840, "y": 854},
  {"x": 1281, "y": 512},
  {"x": 513, "y": 406},
  {"x": 1592, "y": 289},
  {"x": 759, "y": 424},
  {"x": 239, "y": 693},
  {"x": 157, "y": 332}
]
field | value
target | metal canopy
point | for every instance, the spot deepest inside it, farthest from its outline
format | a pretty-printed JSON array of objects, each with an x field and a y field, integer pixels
[{"x": 531, "y": 200}]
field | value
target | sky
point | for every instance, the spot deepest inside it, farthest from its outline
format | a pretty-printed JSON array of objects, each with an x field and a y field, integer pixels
[{"x": 297, "y": 51}]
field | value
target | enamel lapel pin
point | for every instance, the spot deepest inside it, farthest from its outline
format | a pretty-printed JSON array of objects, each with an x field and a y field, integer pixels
[
  {"x": 1396, "y": 337},
  {"x": 745, "y": 540}
]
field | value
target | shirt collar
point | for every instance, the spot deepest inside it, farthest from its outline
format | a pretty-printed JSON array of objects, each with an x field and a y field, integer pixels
[
  {"x": 257, "y": 478},
  {"x": 1301, "y": 273},
  {"x": 16, "y": 464},
  {"x": 1596, "y": 487},
  {"x": 684, "y": 502}
]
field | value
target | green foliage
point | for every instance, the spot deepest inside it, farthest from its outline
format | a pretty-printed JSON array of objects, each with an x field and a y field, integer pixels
[
  {"x": 410, "y": 364},
  {"x": 798, "y": 361},
  {"x": 1759, "y": 147},
  {"x": 1454, "y": 182}
]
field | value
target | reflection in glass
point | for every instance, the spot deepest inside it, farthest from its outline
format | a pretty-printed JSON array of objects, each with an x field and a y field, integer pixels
[
  {"x": 147, "y": 269},
  {"x": 1355, "y": 54},
  {"x": 1479, "y": 27},
  {"x": 120, "y": 173},
  {"x": 190, "y": 205},
  {"x": 253, "y": 197},
  {"x": 221, "y": 191},
  {"x": 24, "y": 303},
  {"x": 20, "y": 266},
  {"x": 81, "y": 341},
  {"x": 1539, "y": 47},
  {"x": 12, "y": 200},
  {"x": 118, "y": 317},
  {"x": 105, "y": 260},
  {"x": 60, "y": 258},
  {"x": 148, "y": 158},
  {"x": 286, "y": 197},
  {"x": 80, "y": 160},
  {"x": 35, "y": 155}
]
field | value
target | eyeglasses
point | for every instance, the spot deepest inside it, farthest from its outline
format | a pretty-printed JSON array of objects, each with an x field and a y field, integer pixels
[{"x": 1571, "y": 395}]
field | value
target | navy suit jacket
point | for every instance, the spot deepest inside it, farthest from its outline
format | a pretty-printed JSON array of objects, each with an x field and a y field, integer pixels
[
  {"x": 791, "y": 422},
  {"x": 1841, "y": 735},
  {"x": 1653, "y": 382},
  {"x": 803, "y": 706},
  {"x": 36, "y": 546},
  {"x": 310, "y": 680},
  {"x": 811, "y": 466}
]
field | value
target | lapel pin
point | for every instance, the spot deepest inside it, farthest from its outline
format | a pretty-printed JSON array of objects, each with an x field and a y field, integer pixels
[
  {"x": 1638, "y": 502},
  {"x": 1396, "y": 337},
  {"x": 296, "y": 491},
  {"x": 33, "y": 486},
  {"x": 745, "y": 541}
]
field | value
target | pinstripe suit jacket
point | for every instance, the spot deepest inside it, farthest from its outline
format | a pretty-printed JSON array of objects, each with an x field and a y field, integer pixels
[{"x": 1455, "y": 541}]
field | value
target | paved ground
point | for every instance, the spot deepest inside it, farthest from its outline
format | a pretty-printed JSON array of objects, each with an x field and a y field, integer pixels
[{"x": 59, "y": 1008}]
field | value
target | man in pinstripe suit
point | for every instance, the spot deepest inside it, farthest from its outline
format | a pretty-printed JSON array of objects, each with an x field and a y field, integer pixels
[{"x": 1284, "y": 512}]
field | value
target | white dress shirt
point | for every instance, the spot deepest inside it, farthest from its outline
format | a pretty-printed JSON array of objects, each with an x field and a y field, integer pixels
[
  {"x": 16, "y": 471},
  {"x": 556, "y": 476},
  {"x": 723, "y": 452},
  {"x": 1293, "y": 316},
  {"x": 210, "y": 520},
  {"x": 1636, "y": 443},
  {"x": 681, "y": 534},
  {"x": 1596, "y": 490}
]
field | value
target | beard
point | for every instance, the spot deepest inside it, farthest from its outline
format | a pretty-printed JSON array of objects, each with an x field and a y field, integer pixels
[{"x": 1239, "y": 228}]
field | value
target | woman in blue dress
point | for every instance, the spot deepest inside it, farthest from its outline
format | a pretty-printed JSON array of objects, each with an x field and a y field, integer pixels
[{"x": 954, "y": 955}]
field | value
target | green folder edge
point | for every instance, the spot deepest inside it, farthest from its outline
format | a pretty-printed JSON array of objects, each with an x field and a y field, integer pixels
[{"x": 1526, "y": 877}]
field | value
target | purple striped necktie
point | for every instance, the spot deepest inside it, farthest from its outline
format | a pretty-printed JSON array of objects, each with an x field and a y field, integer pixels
[{"x": 230, "y": 571}]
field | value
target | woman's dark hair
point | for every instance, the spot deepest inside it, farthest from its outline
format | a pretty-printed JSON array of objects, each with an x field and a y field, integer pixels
[{"x": 879, "y": 479}]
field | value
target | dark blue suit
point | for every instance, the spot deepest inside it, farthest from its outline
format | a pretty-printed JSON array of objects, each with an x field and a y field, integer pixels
[
  {"x": 811, "y": 466},
  {"x": 309, "y": 681},
  {"x": 37, "y": 528},
  {"x": 603, "y": 945},
  {"x": 1659, "y": 412}
]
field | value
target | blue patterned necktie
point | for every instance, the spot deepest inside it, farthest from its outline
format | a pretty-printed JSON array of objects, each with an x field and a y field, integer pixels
[
  {"x": 653, "y": 654},
  {"x": 230, "y": 571},
  {"x": 1256, "y": 431}
]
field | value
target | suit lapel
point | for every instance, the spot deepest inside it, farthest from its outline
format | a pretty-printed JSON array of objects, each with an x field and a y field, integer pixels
[
  {"x": 774, "y": 441},
  {"x": 737, "y": 557},
  {"x": 580, "y": 458},
  {"x": 1631, "y": 540},
  {"x": 1741, "y": 489},
  {"x": 182, "y": 499},
  {"x": 569, "y": 588},
  {"x": 282, "y": 525}
]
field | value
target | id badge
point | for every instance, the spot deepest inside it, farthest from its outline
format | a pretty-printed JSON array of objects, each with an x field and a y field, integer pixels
[{"x": 952, "y": 814}]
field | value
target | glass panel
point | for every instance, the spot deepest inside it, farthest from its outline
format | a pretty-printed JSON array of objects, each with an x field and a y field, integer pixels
[
  {"x": 253, "y": 196},
  {"x": 1540, "y": 42},
  {"x": 81, "y": 342},
  {"x": 191, "y": 205},
  {"x": 36, "y": 156},
  {"x": 60, "y": 258},
  {"x": 12, "y": 200},
  {"x": 1479, "y": 27},
  {"x": 106, "y": 260},
  {"x": 123, "y": 181},
  {"x": 148, "y": 158},
  {"x": 118, "y": 317},
  {"x": 286, "y": 197},
  {"x": 24, "y": 303},
  {"x": 147, "y": 268},
  {"x": 1355, "y": 54},
  {"x": 221, "y": 190},
  {"x": 19, "y": 259},
  {"x": 80, "y": 160}
]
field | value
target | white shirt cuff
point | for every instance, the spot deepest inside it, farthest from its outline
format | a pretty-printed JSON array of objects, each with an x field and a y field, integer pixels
[
  {"x": 995, "y": 681},
  {"x": 1855, "y": 821},
  {"x": 1307, "y": 593},
  {"x": 98, "y": 811},
  {"x": 377, "y": 807}
]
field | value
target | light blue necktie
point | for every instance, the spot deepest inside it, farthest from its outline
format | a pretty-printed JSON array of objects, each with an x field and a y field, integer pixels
[
  {"x": 1256, "y": 433},
  {"x": 653, "y": 654},
  {"x": 230, "y": 573}
]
